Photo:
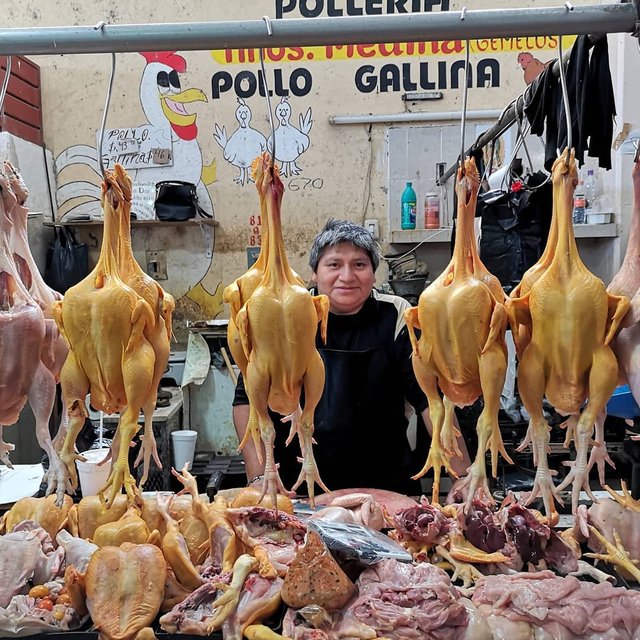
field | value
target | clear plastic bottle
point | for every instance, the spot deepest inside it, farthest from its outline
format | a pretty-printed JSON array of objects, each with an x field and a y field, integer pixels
[
  {"x": 579, "y": 202},
  {"x": 590, "y": 192}
]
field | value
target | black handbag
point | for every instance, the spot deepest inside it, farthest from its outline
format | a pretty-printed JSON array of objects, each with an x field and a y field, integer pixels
[
  {"x": 67, "y": 260},
  {"x": 177, "y": 200}
]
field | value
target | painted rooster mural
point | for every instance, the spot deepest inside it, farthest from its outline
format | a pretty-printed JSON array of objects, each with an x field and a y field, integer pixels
[{"x": 166, "y": 105}]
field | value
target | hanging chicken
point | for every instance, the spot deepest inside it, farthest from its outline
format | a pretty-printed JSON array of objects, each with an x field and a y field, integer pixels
[
  {"x": 54, "y": 350},
  {"x": 28, "y": 348},
  {"x": 571, "y": 321},
  {"x": 277, "y": 327},
  {"x": 236, "y": 295},
  {"x": 117, "y": 339},
  {"x": 626, "y": 282},
  {"x": 461, "y": 349}
]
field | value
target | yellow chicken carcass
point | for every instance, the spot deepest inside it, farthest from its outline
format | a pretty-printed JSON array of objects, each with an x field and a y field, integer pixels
[
  {"x": 571, "y": 321},
  {"x": 44, "y": 511},
  {"x": 162, "y": 304},
  {"x": 236, "y": 295},
  {"x": 461, "y": 349},
  {"x": 277, "y": 327},
  {"x": 107, "y": 326},
  {"x": 129, "y": 528},
  {"x": 124, "y": 589}
]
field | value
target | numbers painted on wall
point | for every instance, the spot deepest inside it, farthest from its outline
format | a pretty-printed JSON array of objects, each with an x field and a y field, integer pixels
[
  {"x": 255, "y": 224},
  {"x": 300, "y": 183}
]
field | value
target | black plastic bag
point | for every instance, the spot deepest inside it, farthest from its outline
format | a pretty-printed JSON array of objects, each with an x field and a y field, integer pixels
[
  {"x": 177, "y": 200},
  {"x": 67, "y": 260}
]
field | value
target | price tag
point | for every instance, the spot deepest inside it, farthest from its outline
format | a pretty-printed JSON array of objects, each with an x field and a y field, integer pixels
[{"x": 161, "y": 156}]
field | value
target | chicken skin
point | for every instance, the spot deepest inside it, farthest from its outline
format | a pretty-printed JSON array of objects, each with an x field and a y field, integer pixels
[
  {"x": 571, "y": 320},
  {"x": 277, "y": 327},
  {"x": 461, "y": 349}
]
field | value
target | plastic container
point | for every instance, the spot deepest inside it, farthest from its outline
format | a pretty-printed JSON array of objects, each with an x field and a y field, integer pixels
[
  {"x": 598, "y": 218},
  {"x": 91, "y": 476},
  {"x": 622, "y": 404},
  {"x": 184, "y": 448},
  {"x": 432, "y": 211},
  {"x": 409, "y": 202},
  {"x": 579, "y": 204}
]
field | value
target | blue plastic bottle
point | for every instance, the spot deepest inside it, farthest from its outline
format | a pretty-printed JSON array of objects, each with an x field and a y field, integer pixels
[{"x": 408, "y": 212}]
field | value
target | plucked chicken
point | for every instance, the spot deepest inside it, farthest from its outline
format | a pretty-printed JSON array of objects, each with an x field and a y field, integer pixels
[
  {"x": 54, "y": 349},
  {"x": 118, "y": 335},
  {"x": 571, "y": 320},
  {"x": 626, "y": 343},
  {"x": 236, "y": 295},
  {"x": 159, "y": 335},
  {"x": 23, "y": 375},
  {"x": 277, "y": 327},
  {"x": 124, "y": 589},
  {"x": 461, "y": 349}
]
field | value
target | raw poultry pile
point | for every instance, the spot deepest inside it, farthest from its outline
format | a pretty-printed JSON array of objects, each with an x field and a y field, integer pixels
[
  {"x": 263, "y": 574},
  {"x": 117, "y": 323}
]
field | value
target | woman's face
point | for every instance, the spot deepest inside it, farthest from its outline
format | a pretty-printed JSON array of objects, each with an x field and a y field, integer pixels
[{"x": 346, "y": 275}]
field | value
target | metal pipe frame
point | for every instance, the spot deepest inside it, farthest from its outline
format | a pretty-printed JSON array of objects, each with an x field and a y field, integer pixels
[
  {"x": 205, "y": 36},
  {"x": 417, "y": 116}
]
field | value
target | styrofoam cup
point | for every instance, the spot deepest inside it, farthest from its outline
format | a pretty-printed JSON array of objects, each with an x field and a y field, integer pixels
[
  {"x": 93, "y": 477},
  {"x": 184, "y": 447}
]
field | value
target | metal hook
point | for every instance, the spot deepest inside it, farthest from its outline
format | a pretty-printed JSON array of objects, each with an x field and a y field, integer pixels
[
  {"x": 267, "y": 94},
  {"x": 5, "y": 85},
  {"x": 522, "y": 132},
  {"x": 267, "y": 20},
  {"x": 463, "y": 119},
  {"x": 463, "y": 13},
  {"x": 100, "y": 26},
  {"x": 565, "y": 99},
  {"x": 568, "y": 6}
]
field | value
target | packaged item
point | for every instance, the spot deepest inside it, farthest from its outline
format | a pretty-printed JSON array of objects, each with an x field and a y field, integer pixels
[{"x": 432, "y": 211}]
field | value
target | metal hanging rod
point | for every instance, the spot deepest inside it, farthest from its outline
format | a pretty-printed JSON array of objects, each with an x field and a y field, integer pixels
[{"x": 204, "y": 36}]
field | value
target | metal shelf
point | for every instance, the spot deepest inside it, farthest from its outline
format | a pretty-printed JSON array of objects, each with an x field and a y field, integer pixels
[{"x": 434, "y": 236}]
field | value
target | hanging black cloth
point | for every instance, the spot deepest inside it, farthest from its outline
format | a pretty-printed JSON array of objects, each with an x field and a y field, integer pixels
[
  {"x": 591, "y": 101},
  {"x": 515, "y": 228}
]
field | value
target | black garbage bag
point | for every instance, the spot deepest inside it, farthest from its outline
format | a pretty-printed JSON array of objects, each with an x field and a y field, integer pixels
[{"x": 67, "y": 260}]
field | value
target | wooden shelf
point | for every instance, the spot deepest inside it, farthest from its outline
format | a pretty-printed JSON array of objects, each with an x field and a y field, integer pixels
[
  {"x": 415, "y": 236},
  {"x": 207, "y": 222}
]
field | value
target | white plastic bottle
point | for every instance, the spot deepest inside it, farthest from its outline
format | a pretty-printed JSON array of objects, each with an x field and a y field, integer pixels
[{"x": 590, "y": 192}]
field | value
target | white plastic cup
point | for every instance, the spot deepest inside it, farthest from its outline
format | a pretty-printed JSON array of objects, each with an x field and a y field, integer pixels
[
  {"x": 93, "y": 477},
  {"x": 184, "y": 448}
]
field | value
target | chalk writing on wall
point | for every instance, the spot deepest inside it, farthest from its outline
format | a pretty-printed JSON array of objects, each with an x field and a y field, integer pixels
[{"x": 137, "y": 147}]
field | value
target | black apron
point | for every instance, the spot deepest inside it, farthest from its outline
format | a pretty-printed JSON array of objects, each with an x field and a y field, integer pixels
[{"x": 360, "y": 427}]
